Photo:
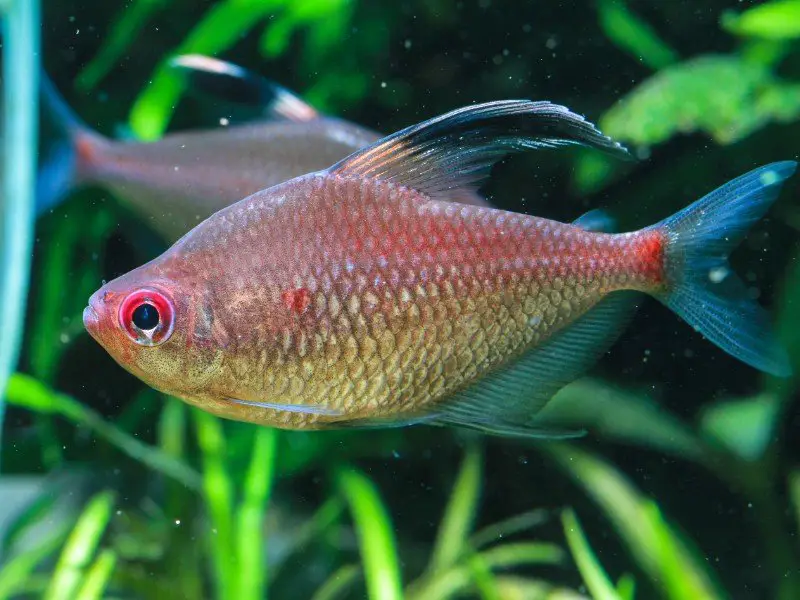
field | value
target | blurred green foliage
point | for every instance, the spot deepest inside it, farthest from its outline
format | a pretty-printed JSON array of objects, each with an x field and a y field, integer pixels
[{"x": 200, "y": 507}]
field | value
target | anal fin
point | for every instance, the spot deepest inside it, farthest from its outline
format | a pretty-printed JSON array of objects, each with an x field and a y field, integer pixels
[{"x": 506, "y": 401}]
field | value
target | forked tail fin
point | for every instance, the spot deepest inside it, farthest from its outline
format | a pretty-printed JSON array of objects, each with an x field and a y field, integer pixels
[
  {"x": 702, "y": 288},
  {"x": 63, "y": 130}
]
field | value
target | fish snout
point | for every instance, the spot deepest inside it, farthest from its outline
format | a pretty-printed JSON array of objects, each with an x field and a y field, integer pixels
[{"x": 92, "y": 314}]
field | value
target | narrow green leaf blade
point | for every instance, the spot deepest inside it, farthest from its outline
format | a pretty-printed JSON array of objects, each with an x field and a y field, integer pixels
[
  {"x": 80, "y": 547},
  {"x": 218, "y": 494},
  {"x": 375, "y": 535},
  {"x": 776, "y": 20},
  {"x": 250, "y": 535},
  {"x": 593, "y": 574},
  {"x": 459, "y": 515},
  {"x": 634, "y": 35},
  {"x": 27, "y": 392},
  {"x": 98, "y": 577},
  {"x": 642, "y": 530}
]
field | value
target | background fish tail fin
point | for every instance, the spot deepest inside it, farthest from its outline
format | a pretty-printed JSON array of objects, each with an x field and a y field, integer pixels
[
  {"x": 701, "y": 287},
  {"x": 64, "y": 134}
]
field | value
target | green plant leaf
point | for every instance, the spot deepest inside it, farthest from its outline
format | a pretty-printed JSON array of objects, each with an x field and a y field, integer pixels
[
  {"x": 224, "y": 24},
  {"x": 80, "y": 548},
  {"x": 592, "y": 572},
  {"x": 776, "y": 20},
  {"x": 250, "y": 515},
  {"x": 659, "y": 550},
  {"x": 29, "y": 517},
  {"x": 460, "y": 577},
  {"x": 507, "y": 527},
  {"x": 18, "y": 152},
  {"x": 745, "y": 426},
  {"x": 124, "y": 32},
  {"x": 623, "y": 416},
  {"x": 218, "y": 493},
  {"x": 375, "y": 535},
  {"x": 98, "y": 577},
  {"x": 633, "y": 35},
  {"x": 723, "y": 96},
  {"x": 17, "y": 571},
  {"x": 459, "y": 514},
  {"x": 26, "y": 392},
  {"x": 482, "y": 578},
  {"x": 513, "y": 587},
  {"x": 338, "y": 583}
]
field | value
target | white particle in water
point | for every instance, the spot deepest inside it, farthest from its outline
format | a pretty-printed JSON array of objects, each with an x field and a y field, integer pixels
[
  {"x": 718, "y": 274},
  {"x": 224, "y": 122},
  {"x": 768, "y": 178},
  {"x": 383, "y": 84}
]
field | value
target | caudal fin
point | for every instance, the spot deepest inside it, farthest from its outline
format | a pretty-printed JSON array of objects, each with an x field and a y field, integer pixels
[
  {"x": 702, "y": 288},
  {"x": 62, "y": 131}
]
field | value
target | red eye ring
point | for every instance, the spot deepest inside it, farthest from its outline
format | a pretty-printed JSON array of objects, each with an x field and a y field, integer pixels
[{"x": 147, "y": 306}]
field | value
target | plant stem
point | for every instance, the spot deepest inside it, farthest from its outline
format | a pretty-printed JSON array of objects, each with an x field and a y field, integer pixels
[{"x": 20, "y": 134}]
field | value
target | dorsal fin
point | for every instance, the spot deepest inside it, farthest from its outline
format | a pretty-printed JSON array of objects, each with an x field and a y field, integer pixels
[
  {"x": 506, "y": 401},
  {"x": 457, "y": 149},
  {"x": 231, "y": 83},
  {"x": 596, "y": 220}
]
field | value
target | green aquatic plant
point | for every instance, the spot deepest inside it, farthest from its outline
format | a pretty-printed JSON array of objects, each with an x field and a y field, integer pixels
[
  {"x": 774, "y": 20},
  {"x": 82, "y": 571},
  {"x": 20, "y": 27},
  {"x": 727, "y": 97},
  {"x": 324, "y": 23}
]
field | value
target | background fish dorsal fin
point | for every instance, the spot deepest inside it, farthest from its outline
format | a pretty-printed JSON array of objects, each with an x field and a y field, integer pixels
[
  {"x": 596, "y": 220},
  {"x": 232, "y": 84},
  {"x": 506, "y": 401},
  {"x": 457, "y": 149}
]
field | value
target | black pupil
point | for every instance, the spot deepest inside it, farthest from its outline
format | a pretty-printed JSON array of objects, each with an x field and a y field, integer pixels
[{"x": 145, "y": 316}]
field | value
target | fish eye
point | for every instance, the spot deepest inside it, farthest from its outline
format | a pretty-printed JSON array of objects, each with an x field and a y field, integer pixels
[{"x": 147, "y": 316}]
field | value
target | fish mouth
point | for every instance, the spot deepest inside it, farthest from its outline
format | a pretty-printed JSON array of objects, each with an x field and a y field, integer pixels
[{"x": 91, "y": 320}]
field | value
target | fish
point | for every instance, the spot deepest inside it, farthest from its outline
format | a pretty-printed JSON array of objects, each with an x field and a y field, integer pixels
[
  {"x": 176, "y": 182},
  {"x": 359, "y": 296}
]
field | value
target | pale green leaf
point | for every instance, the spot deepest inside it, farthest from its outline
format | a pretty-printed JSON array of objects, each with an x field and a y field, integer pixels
[
  {"x": 776, "y": 20},
  {"x": 661, "y": 552},
  {"x": 76, "y": 557},
  {"x": 725, "y": 97},
  {"x": 594, "y": 576},
  {"x": 745, "y": 426},
  {"x": 375, "y": 534},
  {"x": 459, "y": 514},
  {"x": 633, "y": 35},
  {"x": 621, "y": 415}
]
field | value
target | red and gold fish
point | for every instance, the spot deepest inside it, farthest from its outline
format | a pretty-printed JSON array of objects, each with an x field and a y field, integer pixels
[
  {"x": 179, "y": 180},
  {"x": 360, "y": 296}
]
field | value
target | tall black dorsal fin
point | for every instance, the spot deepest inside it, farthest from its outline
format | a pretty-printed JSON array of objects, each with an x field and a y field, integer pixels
[
  {"x": 457, "y": 149},
  {"x": 236, "y": 85}
]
